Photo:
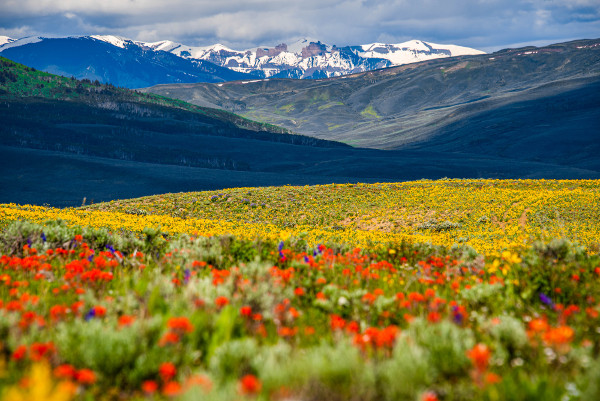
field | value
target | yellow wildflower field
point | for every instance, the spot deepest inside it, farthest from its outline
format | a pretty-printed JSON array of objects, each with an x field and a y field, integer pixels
[{"x": 489, "y": 215}]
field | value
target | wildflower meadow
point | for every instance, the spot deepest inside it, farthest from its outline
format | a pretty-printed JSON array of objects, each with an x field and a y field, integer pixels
[{"x": 425, "y": 290}]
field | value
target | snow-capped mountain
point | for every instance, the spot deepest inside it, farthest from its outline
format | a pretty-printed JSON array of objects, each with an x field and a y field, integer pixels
[
  {"x": 135, "y": 64},
  {"x": 5, "y": 39},
  {"x": 305, "y": 58},
  {"x": 118, "y": 61}
]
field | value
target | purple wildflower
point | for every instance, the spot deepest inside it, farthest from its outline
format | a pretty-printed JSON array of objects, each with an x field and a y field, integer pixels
[
  {"x": 90, "y": 314},
  {"x": 546, "y": 299}
]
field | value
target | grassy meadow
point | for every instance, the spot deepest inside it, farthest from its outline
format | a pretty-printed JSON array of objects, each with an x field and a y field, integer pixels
[{"x": 423, "y": 290}]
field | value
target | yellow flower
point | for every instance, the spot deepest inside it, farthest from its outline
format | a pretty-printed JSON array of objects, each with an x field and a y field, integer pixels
[{"x": 40, "y": 387}]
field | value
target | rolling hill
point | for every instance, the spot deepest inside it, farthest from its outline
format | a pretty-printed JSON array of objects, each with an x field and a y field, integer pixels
[
  {"x": 535, "y": 104},
  {"x": 62, "y": 140}
]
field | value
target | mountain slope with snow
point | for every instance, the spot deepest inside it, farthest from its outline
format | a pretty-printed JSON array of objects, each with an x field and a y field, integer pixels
[
  {"x": 308, "y": 58},
  {"x": 304, "y": 58},
  {"x": 112, "y": 59}
]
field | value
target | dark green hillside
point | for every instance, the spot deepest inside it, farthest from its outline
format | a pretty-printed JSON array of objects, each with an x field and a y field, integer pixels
[
  {"x": 507, "y": 100},
  {"x": 18, "y": 81}
]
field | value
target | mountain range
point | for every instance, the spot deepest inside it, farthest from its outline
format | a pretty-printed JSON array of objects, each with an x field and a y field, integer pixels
[
  {"x": 536, "y": 104},
  {"x": 309, "y": 58},
  {"x": 63, "y": 139},
  {"x": 135, "y": 64}
]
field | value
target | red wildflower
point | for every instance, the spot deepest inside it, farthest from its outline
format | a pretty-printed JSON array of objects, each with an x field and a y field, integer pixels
[
  {"x": 182, "y": 324},
  {"x": 57, "y": 312},
  {"x": 19, "y": 353},
  {"x": 434, "y": 317},
  {"x": 538, "y": 325},
  {"x": 85, "y": 376},
  {"x": 149, "y": 386},
  {"x": 221, "y": 301},
  {"x": 126, "y": 320},
  {"x": 169, "y": 338},
  {"x": 202, "y": 381},
  {"x": 480, "y": 356},
  {"x": 171, "y": 389},
  {"x": 167, "y": 371},
  {"x": 492, "y": 378},
  {"x": 65, "y": 371},
  {"x": 299, "y": 291},
  {"x": 246, "y": 311},
  {"x": 337, "y": 322},
  {"x": 99, "y": 311},
  {"x": 40, "y": 350},
  {"x": 559, "y": 336},
  {"x": 250, "y": 384},
  {"x": 429, "y": 396}
]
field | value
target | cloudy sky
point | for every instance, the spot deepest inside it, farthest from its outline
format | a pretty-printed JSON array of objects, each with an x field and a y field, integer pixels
[{"x": 484, "y": 24}]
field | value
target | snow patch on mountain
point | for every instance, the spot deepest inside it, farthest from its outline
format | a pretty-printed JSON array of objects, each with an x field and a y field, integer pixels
[
  {"x": 21, "y": 42},
  {"x": 117, "y": 41},
  {"x": 5, "y": 39}
]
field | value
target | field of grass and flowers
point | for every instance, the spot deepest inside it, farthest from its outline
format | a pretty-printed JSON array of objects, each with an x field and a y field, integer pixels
[{"x": 429, "y": 290}]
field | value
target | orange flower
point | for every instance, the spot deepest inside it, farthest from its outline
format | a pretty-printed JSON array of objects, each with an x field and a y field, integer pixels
[
  {"x": 99, "y": 311},
  {"x": 337, "y": 322},
  {"x": 287, "y": 331},
  {"x": 309, "y": 330},
  {"x": 65, "y": 371},
  {"x": 250, "y": 384},
  {"x": 57, "y": 312},
  {"x": 40, "y": 350},
  {"x": 202, "y": 381},
  {"x": 559, "y": 336},
  {"x": 19, "y": 353},
  {"x": 171, "y": 389},
  {"x": 221, "y": 301},
  {"x": 492, "y": 378},
  {"x": 538, "y": 326},
  {"x": 85, "y": 376},
  {"x": 246, "y": 311},
  {"x": 429, "y": 396},
  {"x": 480, "y": 356},
  {"x": 169, "y": 338},
  {"x": 149, "y": 386},
  {"x": 167, "y": 371},
  {"x": 182, "y": 324},
  {"x": 299, "y": 291},
  {"x": 434, "y": 317},
  {"x": 126, "y": 320}
]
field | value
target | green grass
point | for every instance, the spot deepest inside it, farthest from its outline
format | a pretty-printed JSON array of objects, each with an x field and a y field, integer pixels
[
  {"x": 369, "y": 112},
  {"x": 17, "y": 80}
]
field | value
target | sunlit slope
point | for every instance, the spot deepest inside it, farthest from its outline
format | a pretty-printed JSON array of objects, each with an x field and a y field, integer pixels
[
  {"x": 487, "y": 214},
  {"x": 504, "y": 104}
]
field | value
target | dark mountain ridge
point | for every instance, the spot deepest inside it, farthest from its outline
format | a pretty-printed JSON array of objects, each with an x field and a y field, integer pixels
[{"x": 131, "y": 66}]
